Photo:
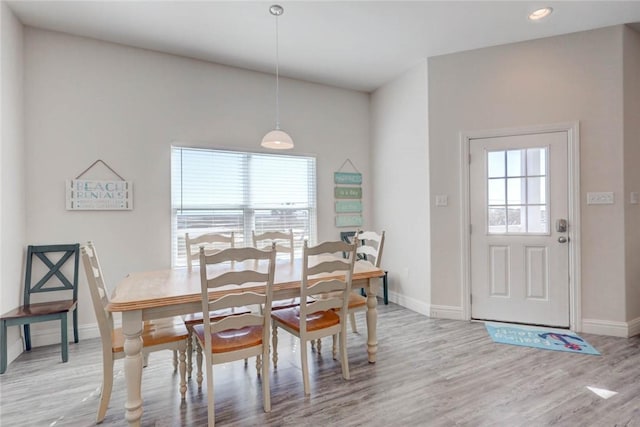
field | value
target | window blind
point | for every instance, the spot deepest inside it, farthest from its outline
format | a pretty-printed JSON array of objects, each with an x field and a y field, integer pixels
[{"x": 223, "y": 191}]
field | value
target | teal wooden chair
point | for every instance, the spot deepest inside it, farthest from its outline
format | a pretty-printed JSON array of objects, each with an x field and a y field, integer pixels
[{"x": 45, "y": 311}]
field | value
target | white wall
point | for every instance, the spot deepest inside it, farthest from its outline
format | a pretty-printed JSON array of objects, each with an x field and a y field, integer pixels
[
  {"x": 400, "y": 169},
  {"x": 631, "y": 95},
  {"x": 12, "y": 171},
  {"x": 87, "y": 100},
  {"x": 553, "y": 80}
]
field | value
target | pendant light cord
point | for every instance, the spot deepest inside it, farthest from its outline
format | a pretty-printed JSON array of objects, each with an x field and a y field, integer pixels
[{"x": 277, "y": 79}]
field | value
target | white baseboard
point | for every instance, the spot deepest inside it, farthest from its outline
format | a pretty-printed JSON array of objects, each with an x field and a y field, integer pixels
[
  {"x": 410, "y": 303},
  {"x": 446, "y": 312},
  {"x": 49, "y": 336},
  {"x": 14, "y": 349},
  {"x": 634, "y": 327},
  {"x": 608, "y": 327}
]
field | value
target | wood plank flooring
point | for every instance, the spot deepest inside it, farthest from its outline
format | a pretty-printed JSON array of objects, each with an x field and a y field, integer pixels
[{"x": 429, "y": 373}]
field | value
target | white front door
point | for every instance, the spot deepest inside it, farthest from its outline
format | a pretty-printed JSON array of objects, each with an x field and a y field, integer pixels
[{"x": 519, "y": 241}]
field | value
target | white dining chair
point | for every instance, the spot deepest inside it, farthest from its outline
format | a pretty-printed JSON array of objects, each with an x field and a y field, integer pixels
[
  {"x": 161, "y": 334},
  {"x": 369, "y": 249},
  {"x": 212, "y": 243},
  {"x": 327, "y": 315},
  {"x": 236, "y": 337},
  {"x": 370, "y": 246}
]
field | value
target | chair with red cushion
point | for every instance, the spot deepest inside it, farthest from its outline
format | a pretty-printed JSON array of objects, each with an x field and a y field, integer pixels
[
  {"x": 161, "y": 334},
  {"x": 237, "y": 336},
  {"x": 212, "y": 242},
  {"x": 326, "y": 276}
]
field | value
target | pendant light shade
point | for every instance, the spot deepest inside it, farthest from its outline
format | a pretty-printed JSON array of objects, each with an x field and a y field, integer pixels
[{"x": 277, "y": 139}]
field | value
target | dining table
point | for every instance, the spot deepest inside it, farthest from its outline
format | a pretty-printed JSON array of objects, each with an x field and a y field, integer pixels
[{"x": 158, "y": 294}]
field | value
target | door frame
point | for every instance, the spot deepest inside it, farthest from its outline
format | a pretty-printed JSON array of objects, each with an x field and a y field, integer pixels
[{"x": 573, "y": 191}]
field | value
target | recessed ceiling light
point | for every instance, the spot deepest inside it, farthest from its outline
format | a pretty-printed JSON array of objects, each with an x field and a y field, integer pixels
[{"x": 538, "y": 14}]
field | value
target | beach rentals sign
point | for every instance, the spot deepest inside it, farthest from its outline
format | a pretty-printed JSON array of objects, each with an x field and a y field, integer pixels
[{"x": 93, "y": 194}]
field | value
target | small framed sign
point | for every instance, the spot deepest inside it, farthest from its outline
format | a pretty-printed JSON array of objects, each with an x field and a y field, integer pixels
[
  {"x": 99, "y": 195},
  {"x": 88, "y": 194}
]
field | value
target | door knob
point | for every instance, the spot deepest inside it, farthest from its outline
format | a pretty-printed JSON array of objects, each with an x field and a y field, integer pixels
[{"x": 562, "y": 239}]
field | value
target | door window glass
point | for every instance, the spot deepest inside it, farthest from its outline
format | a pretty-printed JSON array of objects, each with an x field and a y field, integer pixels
[{"x": 517, "y": 186}]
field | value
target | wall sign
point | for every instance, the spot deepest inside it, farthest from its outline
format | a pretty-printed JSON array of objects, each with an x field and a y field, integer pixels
[
  {"x": 94, "y": 194},
  {"x": 348, "y": 195},
  {"x": 86, "y": 194}
]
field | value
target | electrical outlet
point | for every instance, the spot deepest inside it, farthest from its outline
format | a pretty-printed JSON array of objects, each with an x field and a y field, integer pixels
[{"x": 601, "y": 198}]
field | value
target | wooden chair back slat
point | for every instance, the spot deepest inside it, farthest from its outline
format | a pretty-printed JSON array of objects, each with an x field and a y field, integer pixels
[
  {"x": 237, "y": 322},
  {"x": 212, "y": 242},
  {"x": 234, "y": 278},
  {"x": 282, "y": 239}
]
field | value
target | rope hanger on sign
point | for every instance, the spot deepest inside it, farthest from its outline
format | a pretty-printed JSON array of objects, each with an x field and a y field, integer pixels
[
  {"x": 106, "y": 165},
  {"x": 351, "y": 163}
]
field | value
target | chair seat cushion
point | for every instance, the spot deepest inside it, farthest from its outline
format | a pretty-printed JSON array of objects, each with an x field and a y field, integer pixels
[
  {"x": 154, "y": 332},
  {"x": 196, "y": 318},
  {"x": 232, "y": 339},
  {"x": 40, "y": 309},
  {"x": 315, "y": 321}
]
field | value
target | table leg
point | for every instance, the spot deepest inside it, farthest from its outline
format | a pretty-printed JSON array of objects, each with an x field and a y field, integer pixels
[
  {"x": 132, "y": 330},
  {"x": 372, "y": 320}
]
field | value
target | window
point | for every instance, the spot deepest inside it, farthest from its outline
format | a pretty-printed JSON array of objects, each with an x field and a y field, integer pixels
[
  {"x": 517, "y": 189},
  {"x": 224, "y": 191}
]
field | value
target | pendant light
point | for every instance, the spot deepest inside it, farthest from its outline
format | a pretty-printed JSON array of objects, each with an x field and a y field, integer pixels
[{"x": 277, "y": 139}]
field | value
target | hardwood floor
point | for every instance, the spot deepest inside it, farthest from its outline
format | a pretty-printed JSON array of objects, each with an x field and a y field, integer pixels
[{"x": 429, "y": 372}]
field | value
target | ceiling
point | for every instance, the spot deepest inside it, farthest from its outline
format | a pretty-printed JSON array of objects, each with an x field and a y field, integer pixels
[{"x": 358, "y": 45}]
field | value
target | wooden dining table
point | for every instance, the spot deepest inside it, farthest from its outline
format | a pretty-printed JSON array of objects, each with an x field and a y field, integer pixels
[{"x": 157, "y": 294}]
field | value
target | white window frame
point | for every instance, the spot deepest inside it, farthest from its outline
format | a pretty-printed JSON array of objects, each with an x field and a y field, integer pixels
[{"x": 246, "y": 214}]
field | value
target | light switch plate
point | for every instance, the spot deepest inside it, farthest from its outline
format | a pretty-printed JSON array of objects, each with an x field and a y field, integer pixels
[
  {"x": 442, "y": 200},
  {"x": 633, "y": 198},
  {"x": 601, "y": 198}
]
